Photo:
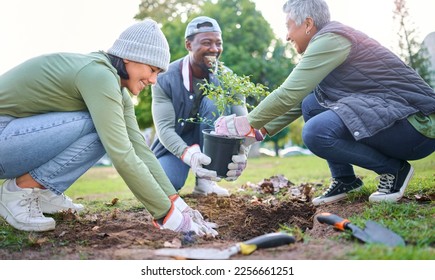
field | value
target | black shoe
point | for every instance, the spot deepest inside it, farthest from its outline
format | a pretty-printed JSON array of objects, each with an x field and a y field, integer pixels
[
  {"x": 392, "y": 186},
  {"x": 337, "y": 191}
]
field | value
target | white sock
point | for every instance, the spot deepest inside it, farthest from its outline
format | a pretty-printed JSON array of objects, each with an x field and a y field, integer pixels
[{"x": 12, "y": 186}]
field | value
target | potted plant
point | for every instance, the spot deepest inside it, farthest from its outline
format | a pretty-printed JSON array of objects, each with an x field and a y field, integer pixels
[{"x": 231, "y": 90}]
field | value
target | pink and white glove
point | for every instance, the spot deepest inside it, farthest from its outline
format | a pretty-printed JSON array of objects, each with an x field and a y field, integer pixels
[
  {"x": 179, "y": 221},
  {"x": 207, "y": 227},
  {"x": 237, "y": 126},
  {"x": 193, "y": 157}
]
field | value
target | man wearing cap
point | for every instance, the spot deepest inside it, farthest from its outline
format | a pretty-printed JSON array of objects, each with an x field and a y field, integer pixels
[
  {"x": 177, "y": 97},
  {"x": 59, "y": 114}
]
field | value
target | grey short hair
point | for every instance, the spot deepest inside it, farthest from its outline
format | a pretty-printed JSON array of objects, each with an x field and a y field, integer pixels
[{"x": 299, "y": 10}]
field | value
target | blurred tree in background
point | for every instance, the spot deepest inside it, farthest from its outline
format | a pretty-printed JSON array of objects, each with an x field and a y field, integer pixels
[
  {"x": 163, "y": 11},
  {"x": 412, "y": 52},
  {"x": 278, "y": 140}
]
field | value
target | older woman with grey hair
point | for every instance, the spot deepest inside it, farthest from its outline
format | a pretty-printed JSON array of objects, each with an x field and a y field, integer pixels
[{"x": 362, "y": 105}]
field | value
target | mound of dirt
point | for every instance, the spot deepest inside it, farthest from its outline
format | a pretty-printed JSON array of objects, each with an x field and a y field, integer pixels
[{"x": 242, "y": 218}]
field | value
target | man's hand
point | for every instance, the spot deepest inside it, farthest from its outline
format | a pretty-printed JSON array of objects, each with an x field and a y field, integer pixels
[
  {"x": 238, "y": 164},
  {"x": 193, "y": 157}
]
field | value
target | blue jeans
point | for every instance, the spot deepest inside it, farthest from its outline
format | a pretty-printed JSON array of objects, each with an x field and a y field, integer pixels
[
  {"x": 326, "y": 135},
  {"x": 54, "y": 148},
  {"x": 176, "y": 170}
]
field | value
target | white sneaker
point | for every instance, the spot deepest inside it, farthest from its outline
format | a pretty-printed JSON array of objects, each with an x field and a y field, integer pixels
[
  {"x": 21, "y": 209},
  {"x": 205, "y": 187},
  {"x": 53, "y": 203}
]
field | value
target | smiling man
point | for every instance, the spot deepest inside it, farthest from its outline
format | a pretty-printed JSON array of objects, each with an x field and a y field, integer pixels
[{"x": 177, "y": 97}]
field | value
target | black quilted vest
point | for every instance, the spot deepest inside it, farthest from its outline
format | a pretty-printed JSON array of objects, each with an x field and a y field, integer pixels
[{"x": 373, "y": 88}]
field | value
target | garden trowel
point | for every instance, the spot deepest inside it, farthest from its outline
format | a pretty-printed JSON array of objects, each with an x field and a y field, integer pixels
[
  {"x": 372, "y": 233},
  {"x": 248, "y": 247}
]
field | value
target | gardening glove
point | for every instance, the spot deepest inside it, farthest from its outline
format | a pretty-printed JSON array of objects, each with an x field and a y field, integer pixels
[
  {"x": 179, "y": 221},
  {"x": 237, "y": 126},
  {"x": 193, "y": 157},
  {"x": 206, "y": 227},
  {"x": 238, "y": 164}
]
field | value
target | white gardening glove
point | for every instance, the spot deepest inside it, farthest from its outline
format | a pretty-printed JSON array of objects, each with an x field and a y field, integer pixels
[
  {"x": 237, "y": 126},
  {"x": 179, "y": 221},
  {"x": 238, "y": 164},
  {"x": 193, "y": 157},
  {"x": 206, "y": 227}
]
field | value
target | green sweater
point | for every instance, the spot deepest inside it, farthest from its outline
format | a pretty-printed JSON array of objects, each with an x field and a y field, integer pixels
[
  {"x": 323, "y": 55},
  {"x": 65, "y": 82}
]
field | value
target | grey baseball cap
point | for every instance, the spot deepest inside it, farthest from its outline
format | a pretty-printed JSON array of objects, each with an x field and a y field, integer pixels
[{"x": 202, "y": 24}]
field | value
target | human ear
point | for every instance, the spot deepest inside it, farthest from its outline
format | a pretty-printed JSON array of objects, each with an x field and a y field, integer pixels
[
  {"x": 188, "y": 45},
  {"x": 309, "y": 24}
]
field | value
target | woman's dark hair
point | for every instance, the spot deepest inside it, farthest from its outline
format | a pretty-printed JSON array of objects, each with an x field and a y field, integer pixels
[{"x": 119, "y": 65}]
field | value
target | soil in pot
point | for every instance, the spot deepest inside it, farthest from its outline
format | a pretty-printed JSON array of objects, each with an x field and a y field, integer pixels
[{"x": 221, "y": 150}]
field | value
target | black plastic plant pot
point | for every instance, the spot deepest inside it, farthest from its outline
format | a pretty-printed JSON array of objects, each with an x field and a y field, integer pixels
[{"x": 221, "y": 150}]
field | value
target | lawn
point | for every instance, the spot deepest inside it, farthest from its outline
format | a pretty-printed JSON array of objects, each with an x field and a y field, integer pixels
[{"x": 412, "y": 218}]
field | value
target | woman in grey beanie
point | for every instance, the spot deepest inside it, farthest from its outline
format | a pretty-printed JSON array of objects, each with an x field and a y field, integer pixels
[{"x": 60, "y": 113}]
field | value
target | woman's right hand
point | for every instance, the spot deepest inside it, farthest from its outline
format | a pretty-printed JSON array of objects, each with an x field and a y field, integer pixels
[
  {"x": 203, "y": 226},
  {"x": 206, "y": 227}
]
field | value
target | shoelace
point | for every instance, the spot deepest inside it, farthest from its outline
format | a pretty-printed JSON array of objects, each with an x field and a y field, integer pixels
[
  {"x": 32, "y": 202},
  {"x": 386, "y": 182},
  {"x": 331, "y": 187}
]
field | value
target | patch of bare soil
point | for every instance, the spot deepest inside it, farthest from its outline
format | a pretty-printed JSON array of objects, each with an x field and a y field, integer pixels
[{"x": 130, "y": 234}]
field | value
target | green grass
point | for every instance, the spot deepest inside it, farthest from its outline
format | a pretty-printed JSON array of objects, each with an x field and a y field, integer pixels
[
  {"x": 11, "y": 238},
  {"x": 415, "y": 222}
]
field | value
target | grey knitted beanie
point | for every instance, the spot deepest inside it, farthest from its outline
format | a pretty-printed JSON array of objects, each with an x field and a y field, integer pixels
[{"x": 143, "y": 42}]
